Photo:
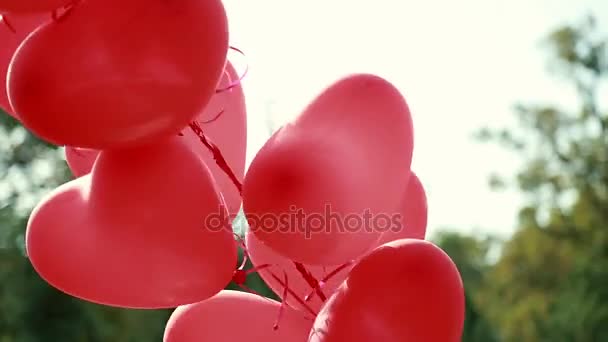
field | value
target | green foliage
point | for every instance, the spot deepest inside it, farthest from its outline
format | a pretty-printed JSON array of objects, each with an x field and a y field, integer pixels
[
  {"x": 549, "y": 283},
  {"x": 471, "y": 256}
]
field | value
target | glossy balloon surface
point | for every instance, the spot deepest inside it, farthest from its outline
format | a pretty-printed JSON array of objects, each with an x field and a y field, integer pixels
[
  {"x": 135, "y": 231},
  {"x": 224, "y": 122},
  {"x": 319, "y": 190},
  {"x": 31, "y": 6},
  {"x": 23, "y": 25},
  {"x": 406, "y": 290},
  {"x": 414, "y": 211},
  {"x": 233, "y": 316},
  {"x": 106, "y": 78}
]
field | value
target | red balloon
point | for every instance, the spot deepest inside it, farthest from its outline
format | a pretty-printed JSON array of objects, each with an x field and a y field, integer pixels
[
  {"x": 135, "y": 232},
  {"x": 234, "y": 316},
  {"x": 414, "y": 211},
  {"x": 32, "y": 6},
  {"x": 227, "y": 130},
  {"x": 413, "y": 225},
  {"x": 9, "y": 42},
  {"x": 80, "y": 160},
  {"x": 406, "y": 290},
  {"x": 114, "y": 73},
  {"x": 261, "y": 255},
  {"x": 316, "y": 188}
]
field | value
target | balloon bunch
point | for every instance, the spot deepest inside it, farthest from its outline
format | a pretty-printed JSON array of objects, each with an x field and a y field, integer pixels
[{"x": 152, "y": 116}]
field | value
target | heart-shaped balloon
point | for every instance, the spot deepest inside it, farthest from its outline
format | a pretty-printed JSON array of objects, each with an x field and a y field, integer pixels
[
  {"x": 233, "y": 316},
  {"x": 115, "y": 73},
  {"x": 315, "y": 190},
  {"x": 413, "y": 225},
  {"x": 80, "y": 160},
  {"x": 22, "y": 25},
  {"x": 415, "y": 214},
  {"x": 32, "y": 6},
  {"x": 135, "y": 232},
  {"x": 406, "y": 290},
  {"x": 224, "y": 122}
]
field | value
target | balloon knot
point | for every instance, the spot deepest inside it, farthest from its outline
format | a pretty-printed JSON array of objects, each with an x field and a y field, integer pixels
[{"x": 239, "y": 277}]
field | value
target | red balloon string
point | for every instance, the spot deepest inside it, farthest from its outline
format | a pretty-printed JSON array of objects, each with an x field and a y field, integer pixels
[
  {"x": 217, "y": 116},
  {"x": 217, "y": 154},
  {"x": 240, "y": 277},
  {"x": 293, "y": 294},
  {"x": 7, "y": 23},
  {"x": 310, "y": 279},
  {"x": 229, "y": 87},
  {"x": 281, "y": 308},
  {"x": 283, "y": 284},
  {"x": 240, "y": 79},
  {"x": 326, "y": 278}
]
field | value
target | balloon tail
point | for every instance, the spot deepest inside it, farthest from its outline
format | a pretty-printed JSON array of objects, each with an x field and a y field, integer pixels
[
  {"x": 281, "y": 308},
  {"x": 326, "y": 278},
  {"x": 217, "y": 154},
  {"x": 311, "y": 280},
  {"x": 239, "y": 80},
  {"x": 7, "y": 23}
]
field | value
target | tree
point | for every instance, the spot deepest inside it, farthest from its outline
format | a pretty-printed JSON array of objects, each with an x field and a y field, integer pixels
[
  {"x": 470, "y": 254},
  {"x": 549, "y": 282}
]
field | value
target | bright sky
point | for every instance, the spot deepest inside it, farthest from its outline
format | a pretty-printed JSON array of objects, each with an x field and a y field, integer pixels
[{"x": 460, "y": 64}]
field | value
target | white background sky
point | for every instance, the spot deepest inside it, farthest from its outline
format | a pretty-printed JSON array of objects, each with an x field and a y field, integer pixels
[{"x": 460, "y": 64}]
